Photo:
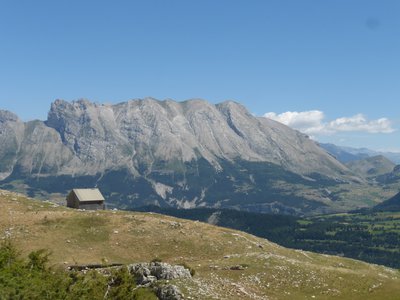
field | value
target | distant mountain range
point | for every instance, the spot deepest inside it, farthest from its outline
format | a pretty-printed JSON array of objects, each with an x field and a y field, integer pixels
[
  {"x": 177, "y": 154},
  {"x": 347, "y": 154}
]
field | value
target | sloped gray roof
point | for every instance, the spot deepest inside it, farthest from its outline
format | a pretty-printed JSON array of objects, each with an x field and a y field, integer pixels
[{"x": 88, "y": 194}]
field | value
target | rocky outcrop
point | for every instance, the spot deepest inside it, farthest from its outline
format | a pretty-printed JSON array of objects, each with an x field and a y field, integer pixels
[
  {"x": 169, "y": 292},
  {"x": 149, "y": 272}
]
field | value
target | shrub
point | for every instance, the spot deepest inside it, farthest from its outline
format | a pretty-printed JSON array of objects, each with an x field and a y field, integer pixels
[
  {"x": 38, "y": 259},
  {"x": 8, "y": 254},
  {"x": 33, "y": 279}
]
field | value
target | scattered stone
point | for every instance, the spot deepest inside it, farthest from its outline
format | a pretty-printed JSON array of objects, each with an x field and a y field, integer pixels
[
  {"x": 236, "y": 267},
  {"x": 213, "y": 267},
  {"x": 175, "y": 224}
]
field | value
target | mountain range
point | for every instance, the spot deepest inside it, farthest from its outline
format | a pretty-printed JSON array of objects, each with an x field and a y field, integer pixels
[
  {"x": 177, "y": 154},
  {"x": 347, "y": 154}
]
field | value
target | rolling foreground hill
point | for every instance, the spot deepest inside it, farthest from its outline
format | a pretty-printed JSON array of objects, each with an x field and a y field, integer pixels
[
  {"x": 177, "y": 154},
  {"x": 229, "y": 264},
  {"x": 370, "y": 235}
]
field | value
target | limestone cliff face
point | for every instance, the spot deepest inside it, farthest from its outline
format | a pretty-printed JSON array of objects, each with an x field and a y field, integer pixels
[
  {"x": 163, "y": 145},
  {"x": 137, "y": 131},
  {"x": 11, "y": 134}
]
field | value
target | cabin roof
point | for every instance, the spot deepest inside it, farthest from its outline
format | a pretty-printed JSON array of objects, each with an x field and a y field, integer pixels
[{"x": 84, "y": 195}]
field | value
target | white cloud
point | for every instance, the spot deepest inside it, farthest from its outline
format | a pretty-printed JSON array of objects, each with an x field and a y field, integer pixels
[
  {"x": 360, "y": 123},
  {"x": 312, "y": 123}
]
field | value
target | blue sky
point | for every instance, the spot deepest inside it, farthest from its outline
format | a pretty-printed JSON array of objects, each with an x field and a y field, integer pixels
[{"x": 339, "y": 59}]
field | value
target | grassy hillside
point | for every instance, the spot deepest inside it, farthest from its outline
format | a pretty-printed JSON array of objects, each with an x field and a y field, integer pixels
[
  {"x": 370, "y": 236},
  {"x": 371, "y": 166},
  {"x": 390, "y": 205},
  {"x": 229, "y": 264}
]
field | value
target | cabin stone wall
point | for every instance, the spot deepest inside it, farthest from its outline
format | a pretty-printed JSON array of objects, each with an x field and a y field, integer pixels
[
  {"x": 92, "y": 206},
  {"x": 72, "y": 201}
]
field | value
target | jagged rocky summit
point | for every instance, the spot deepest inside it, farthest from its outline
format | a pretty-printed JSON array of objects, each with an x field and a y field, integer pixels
[{"x": 181, "y": 154}]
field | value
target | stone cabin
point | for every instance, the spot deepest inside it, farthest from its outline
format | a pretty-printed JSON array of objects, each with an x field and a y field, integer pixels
[{"x": 89, "y": 199}]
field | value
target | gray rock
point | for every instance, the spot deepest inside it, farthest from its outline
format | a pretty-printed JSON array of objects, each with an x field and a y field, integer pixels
[
  {"x": 141, "y": 271},
  {"x": 166, "y": 271},
  {"x": 169, "y": 292},
  {"x": 6, "y": 115},
  {"x": 148, "y": 272}
]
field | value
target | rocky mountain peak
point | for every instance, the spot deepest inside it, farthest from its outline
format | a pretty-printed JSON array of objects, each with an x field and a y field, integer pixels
[
  {"x": 7, "y": 116},
  {"x": 232, "y": 106},
  {"x": 183, "y": 131}
]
